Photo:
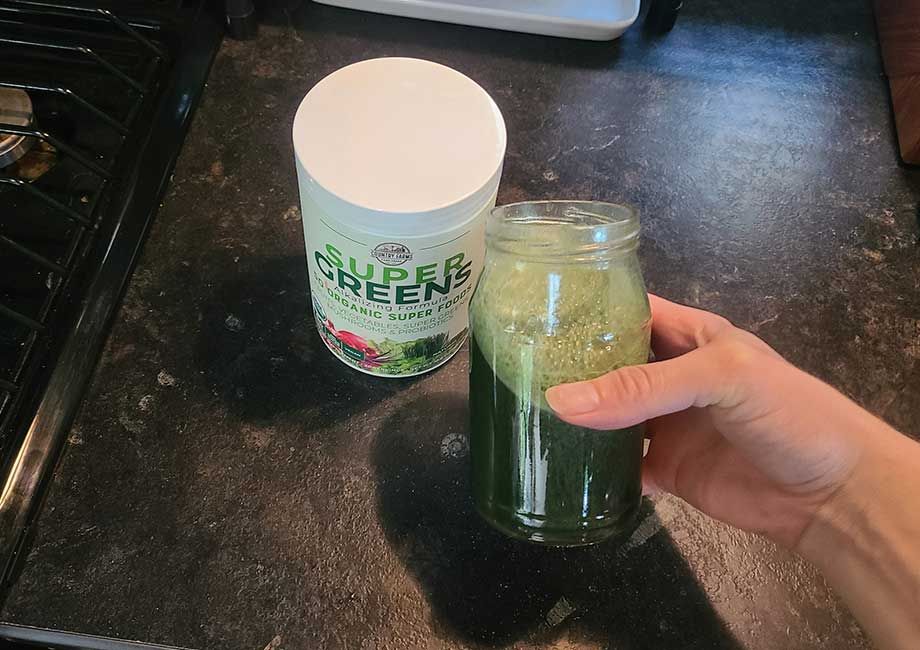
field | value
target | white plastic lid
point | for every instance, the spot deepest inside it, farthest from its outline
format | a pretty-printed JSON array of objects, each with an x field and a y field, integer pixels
[{"x": 394, "y": 144}]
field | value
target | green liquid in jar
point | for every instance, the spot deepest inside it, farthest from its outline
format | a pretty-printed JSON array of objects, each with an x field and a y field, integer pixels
[
  {"x": 539, "y": 478},
  {"x": 534, "y": 326}
]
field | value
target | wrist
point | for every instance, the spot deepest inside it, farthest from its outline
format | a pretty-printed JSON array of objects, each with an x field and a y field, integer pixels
[
  {"x": 863, "y": 538},
  {"x": 869, "y": 501}
]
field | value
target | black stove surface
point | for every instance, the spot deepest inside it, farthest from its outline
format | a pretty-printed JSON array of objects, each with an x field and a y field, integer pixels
[
  {"x": 23, "y": 637},
  {"x": 94, "y": 102},
  {"x": 85, "y": 81}
]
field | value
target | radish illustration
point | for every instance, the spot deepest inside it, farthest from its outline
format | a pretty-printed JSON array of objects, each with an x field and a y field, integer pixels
[
  {"x": 373, "y": 358},
  {"x": 355, "y": 341}
]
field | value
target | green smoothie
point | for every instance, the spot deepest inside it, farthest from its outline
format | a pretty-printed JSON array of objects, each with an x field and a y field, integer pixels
[{"x": 535, "y": 325}]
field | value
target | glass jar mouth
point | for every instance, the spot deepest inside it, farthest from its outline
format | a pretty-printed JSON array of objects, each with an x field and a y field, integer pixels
[{"x": 575, "y": 230}]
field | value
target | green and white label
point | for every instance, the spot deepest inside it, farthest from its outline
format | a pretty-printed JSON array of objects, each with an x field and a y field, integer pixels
[{"x": 392, "y": 306}]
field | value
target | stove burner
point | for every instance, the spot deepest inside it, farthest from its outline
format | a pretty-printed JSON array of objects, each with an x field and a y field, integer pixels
[{"x": 15, "y": 110}]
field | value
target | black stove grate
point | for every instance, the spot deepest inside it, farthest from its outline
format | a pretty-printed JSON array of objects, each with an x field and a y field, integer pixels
[
  {"x": 95, "y": 99},
  {"x": 88, "y": 74}
]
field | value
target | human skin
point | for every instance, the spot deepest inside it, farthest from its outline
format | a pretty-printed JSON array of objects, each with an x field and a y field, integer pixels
[{"x": 746, "y": 437}]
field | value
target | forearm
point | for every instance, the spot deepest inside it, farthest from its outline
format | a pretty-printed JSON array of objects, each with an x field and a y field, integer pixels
[{"x": 866, "y": 540}]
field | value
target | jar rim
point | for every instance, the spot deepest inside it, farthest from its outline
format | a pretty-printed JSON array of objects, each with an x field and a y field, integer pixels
[{"x": 578, "y": 229}]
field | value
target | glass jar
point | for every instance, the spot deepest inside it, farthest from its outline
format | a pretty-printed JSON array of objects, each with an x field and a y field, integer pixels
[{"x": 561, "y": 299}]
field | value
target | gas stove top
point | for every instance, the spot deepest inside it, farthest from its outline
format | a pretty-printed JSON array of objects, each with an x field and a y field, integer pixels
[{"x": 94, "y": 104}]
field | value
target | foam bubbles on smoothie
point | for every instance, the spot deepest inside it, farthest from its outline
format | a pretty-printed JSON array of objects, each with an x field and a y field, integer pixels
[{"x": 541, "y": 325}]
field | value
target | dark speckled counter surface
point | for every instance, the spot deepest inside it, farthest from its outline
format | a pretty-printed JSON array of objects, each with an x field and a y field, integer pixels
[{"x": 230, "y": 485}]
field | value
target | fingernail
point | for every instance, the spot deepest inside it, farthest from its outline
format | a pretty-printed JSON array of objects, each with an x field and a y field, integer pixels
[{"x": 573, "y": 399}]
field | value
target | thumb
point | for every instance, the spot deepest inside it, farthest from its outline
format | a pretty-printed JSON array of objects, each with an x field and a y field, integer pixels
[{"x": 634, "y": 394}]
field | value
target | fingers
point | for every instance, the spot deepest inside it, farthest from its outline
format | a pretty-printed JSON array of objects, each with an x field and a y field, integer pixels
[
  {"x": 631, "y": 395},
  {"x": 676, "y": 440},
  {"x": 677, "y": 329}
]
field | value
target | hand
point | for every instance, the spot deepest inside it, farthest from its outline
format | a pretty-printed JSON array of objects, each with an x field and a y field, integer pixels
[
  {"x": 749, "y": 439},
  {"x": 735, "y": 430}
]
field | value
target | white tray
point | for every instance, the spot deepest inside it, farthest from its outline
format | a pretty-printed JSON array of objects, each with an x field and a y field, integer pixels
[{"x": 596, "y": 20}]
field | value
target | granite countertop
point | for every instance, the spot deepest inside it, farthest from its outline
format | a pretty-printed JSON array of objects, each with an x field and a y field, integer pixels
[{"x": 231, "y": 485}]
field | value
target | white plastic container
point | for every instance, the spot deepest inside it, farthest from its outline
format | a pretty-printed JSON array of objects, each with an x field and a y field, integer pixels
[
  {"x": 398, "y": 162},
  {"x": 595, "y": 20}
]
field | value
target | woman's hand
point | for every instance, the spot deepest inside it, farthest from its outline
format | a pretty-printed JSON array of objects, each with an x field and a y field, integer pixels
[
  {"x": 751, "y": 440},
  {"x": 735, "y": 430}
]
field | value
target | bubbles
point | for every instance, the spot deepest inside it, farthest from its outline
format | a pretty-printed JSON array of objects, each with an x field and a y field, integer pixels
[{"x": 540, "y": 325}]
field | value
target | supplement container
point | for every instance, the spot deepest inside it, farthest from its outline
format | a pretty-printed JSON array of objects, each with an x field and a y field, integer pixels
[
  {"x": 398, "y": 163},
  {"x": 561, "y": 299}
]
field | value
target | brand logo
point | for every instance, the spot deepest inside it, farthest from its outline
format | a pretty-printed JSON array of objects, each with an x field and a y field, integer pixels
[{"x": 392, "y": 254}]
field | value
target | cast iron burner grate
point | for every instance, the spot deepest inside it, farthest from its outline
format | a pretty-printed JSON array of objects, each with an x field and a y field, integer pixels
[
  {"x": 84, "y": 87},
  {"x": 94, "y": 104}
]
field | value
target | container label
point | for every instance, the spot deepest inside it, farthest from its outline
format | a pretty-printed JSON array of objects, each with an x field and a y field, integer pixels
[{"x": 391, "y": 306}]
